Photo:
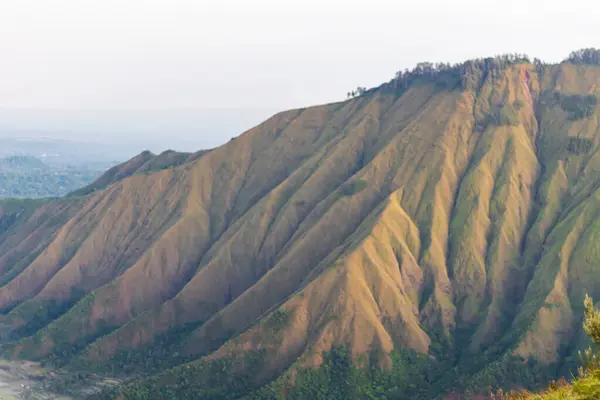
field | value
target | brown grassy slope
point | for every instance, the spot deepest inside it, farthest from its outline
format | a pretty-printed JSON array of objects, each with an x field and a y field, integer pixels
[
  {"x": 28, "y": 227},
  {"x": 212, "y": 282},
  {"x": 370, "y": 312},
  {"x": 208, "y": 286},
  {"x": 164, "y": 160},
  {"x": 117, "y": 173},
  {"x": 372, "y": 222}
]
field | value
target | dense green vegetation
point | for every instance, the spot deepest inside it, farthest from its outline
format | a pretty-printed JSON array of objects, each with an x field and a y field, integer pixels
[
  {"x": 338, "y": 377},
  {"x": 278, "y": 320},
  {"x": 352, "y": 188},
  {"x": 411, "y": 376},
  {"x": 469, "y": 74},
  {"x": 588, "y": 56},
  {"x": 162, "y": 353},
  {"x": 220, "y": 379},
  {"x": 41, "y": 314}
]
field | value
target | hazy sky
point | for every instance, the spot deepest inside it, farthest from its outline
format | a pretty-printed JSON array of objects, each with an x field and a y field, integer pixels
[{"x": 262, "y": 54}]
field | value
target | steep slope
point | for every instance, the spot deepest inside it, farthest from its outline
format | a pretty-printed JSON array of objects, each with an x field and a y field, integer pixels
[
  {"x": 145, "y": 162},
  {"x": 445, "y": 221}
]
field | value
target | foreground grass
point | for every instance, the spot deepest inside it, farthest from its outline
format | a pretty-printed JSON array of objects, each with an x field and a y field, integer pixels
[{"x": 586, "y": 387}]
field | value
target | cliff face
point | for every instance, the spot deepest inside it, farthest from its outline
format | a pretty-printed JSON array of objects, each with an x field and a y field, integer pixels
[{"x": 421, "y": 218}]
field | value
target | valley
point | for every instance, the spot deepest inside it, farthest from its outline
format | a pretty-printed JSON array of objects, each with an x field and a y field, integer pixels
[{"x": 24, "y": 380}]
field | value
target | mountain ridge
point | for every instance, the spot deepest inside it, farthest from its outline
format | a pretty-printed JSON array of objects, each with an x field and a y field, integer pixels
[{"x": 449, "y": 213}]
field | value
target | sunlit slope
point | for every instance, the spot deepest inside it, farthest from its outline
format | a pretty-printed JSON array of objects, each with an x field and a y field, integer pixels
[{"x": 423, "y": 219}]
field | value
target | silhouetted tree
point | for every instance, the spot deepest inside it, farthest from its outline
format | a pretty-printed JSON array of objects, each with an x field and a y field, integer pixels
[
  {"x": 359, "y": 91},
  {"x": 585, "y": 56}
]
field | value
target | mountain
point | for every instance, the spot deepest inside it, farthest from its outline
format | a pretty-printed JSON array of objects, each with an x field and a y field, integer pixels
[
  {"x": 22, "y": 163},
  {"x": 28, "y": 176},
  {"x": 61, "y": 152},
  {"x": 35, "y": 167},
  {"x": 435, "y": 234}
]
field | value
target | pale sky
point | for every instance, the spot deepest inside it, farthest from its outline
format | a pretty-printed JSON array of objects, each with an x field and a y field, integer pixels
[{"x": 259, "y": 54}]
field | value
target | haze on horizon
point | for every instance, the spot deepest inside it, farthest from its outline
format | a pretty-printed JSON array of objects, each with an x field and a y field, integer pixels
[{"x": 191, "y": 74}]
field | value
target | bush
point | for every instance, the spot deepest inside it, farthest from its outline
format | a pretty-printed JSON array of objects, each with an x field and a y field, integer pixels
[
  {"x": 339, "y": 377},
  {"x": 279, "y": 319},
  {"x": 504, "y": 115},
  {"x": 577, "y": 106},
  {"x": 589, "y": 56},
  {"x": 161, "y": 353},
  {"x": 518, "y": 104},
  {"x": 352, "y": 188},
  {"x": 468, "y": 75},
  {"x": 578, "y": 145}
]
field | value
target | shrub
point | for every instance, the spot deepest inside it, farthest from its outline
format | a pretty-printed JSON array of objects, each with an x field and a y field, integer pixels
[
  {"x": 591, "y": 323},
  {"x": 279, "y": 319},
  {"x": 518, "y": 104},
  {"x": 352, "y": 188},
  {"x": 589, "y": 56},
  {"x": 577, "y": 106},
  {"x": 468, "y": 75},
  {"x": 504, "y": 115},
  {"x": 579, "y": 145}
]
